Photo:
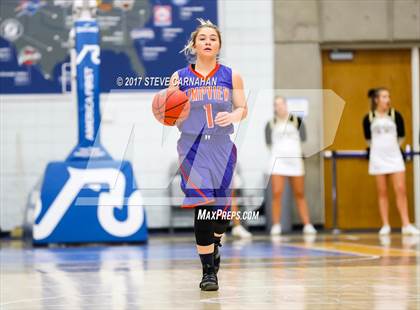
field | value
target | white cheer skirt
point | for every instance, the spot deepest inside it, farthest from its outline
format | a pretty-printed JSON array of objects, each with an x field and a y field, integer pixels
[
  {"x": 386, "y": 163},
  {"x": 286, "y": 166}
]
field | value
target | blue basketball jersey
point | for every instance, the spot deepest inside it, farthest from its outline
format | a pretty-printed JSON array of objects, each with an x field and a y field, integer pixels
[{"x": 208, "y": 96}]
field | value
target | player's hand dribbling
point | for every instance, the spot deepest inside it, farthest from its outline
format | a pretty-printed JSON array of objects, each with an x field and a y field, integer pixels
[{"x": 223, "y": 119}]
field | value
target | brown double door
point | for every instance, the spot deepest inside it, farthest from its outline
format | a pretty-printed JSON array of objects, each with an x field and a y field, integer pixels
[{"x": 357, "y": 198}]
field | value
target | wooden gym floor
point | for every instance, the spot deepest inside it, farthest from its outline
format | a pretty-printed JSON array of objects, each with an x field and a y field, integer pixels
[{"x": 358, "y": 271}]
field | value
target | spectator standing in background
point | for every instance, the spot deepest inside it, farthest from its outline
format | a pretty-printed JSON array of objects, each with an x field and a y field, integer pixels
[
  {"x": 384, "y": 132},
  {"x": 283, "y": 136}
]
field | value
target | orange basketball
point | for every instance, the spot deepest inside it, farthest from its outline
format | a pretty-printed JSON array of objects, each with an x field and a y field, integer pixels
[{"x": 170, "y": 106}]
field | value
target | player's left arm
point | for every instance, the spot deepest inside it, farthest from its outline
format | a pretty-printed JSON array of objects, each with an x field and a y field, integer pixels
[
  {"x": 240, "y": 107},
  {"x": 400, "y": 127}
]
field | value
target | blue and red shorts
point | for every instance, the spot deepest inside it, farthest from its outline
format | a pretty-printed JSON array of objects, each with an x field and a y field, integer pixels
[{"x": 207, "y": 164}]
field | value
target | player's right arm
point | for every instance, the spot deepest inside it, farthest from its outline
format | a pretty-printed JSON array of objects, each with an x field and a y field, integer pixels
[
  {"x": 366, "y": 129},
  {"x": 174, "y": 81},
  {"x": 367, "y": 134},
  {"x": 267, "y": 132}
]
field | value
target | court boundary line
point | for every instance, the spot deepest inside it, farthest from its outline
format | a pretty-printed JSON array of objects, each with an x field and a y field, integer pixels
[
  {"x": 380, "y": 247},
  {"x": 309, "y": 247},
  {"x": 360, "y": 258}
]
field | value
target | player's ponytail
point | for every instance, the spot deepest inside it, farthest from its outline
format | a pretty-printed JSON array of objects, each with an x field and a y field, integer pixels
[
  {"x": 373, "y": 94},
  {"x": 188, "y": 49}
]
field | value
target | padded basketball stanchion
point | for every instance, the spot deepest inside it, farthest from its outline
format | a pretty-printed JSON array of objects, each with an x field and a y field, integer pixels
[{"x": 89, "y": 197}]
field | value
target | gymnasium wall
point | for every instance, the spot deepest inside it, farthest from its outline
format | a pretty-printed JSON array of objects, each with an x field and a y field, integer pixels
[{"x": 37, "y": 129}]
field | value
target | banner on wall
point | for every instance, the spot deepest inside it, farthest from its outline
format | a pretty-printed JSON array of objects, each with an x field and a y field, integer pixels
[
  {"x": 138, "y": 38},
  {"x": 87, "y": 76}
]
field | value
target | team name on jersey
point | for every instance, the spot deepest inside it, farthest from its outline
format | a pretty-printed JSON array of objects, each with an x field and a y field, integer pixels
[
  {"x": 219, "y": 93},
  {"x": 384, "y": 128}
]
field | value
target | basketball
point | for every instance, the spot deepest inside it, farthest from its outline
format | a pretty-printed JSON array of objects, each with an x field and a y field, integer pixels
[{"x": 170, "y": 106}]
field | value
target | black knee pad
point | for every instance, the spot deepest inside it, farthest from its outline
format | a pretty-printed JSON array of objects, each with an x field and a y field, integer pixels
[
  {"x": 203, "y": 228},
  {"x": 220, "y": 226}
]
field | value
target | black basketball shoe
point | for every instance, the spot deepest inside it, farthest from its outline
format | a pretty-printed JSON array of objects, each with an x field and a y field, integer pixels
[{"x": 209, "y": 280}]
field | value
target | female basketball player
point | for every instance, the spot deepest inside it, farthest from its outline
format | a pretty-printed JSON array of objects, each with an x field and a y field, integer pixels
[
  {"x": 384, "y": 131},
  {"x": 283, "y": 136},
  {"x": 207, "y": 155}
]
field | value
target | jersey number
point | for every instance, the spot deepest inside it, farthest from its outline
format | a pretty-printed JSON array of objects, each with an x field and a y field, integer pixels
[{"x": 209, "y": 115}]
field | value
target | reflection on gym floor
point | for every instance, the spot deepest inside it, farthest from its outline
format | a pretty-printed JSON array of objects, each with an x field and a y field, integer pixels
[{"x": 360, "y": 271}]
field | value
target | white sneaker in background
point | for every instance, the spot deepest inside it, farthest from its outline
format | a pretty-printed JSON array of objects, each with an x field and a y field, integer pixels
[
  {"x": 410, "y": 229},
  {"x": 309, "y": 229},
  {"x": 240, "y": 232},
  {"x": 385, "y": 230},
  {"x": 275, "y": 230}
]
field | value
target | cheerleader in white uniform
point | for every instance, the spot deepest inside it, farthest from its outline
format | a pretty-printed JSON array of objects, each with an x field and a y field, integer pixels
[
  {"x": 384, "y": 131},
  {"x": 283, "y": 136}
]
